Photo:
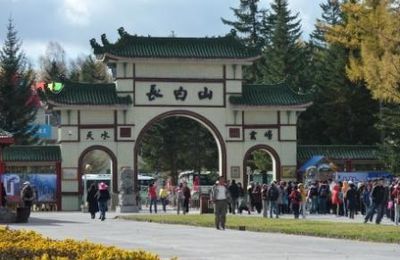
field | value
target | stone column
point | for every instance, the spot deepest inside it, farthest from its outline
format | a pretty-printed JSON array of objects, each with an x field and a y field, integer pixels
[{"x": 127, "y": 195}]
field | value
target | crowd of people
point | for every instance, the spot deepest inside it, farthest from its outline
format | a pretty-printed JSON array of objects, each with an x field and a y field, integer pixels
[{"x": 345, "y": 198}]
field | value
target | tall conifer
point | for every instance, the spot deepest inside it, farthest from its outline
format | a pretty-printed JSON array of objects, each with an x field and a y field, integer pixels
[
  {"x": 284, "y": 53},
  {"x": 249, "y": 28},
  {"x": 17, "y": 107},
  {"x": 343, "y": 111}
]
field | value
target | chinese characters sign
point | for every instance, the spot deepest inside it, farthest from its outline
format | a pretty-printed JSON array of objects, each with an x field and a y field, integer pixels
[
  {"x": 261, "y": 135},
  {"x": 101, "y": 135},
  {"x": 179, "y": 94}
]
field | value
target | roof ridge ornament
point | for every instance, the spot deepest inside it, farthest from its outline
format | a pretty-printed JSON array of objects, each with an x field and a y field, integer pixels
[
  {"x": 122, "y": 33},
  {"x": 104, "y": 40}
]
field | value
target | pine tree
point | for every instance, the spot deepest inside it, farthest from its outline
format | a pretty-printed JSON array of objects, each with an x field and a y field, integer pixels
[
  {"x": 17, "y": 107},
  {"x": 249, "y": 27},
  {"x": 390, "y": 148},
  {"x": 343, "y": 112},
  {"x": 284, "y": 53}
]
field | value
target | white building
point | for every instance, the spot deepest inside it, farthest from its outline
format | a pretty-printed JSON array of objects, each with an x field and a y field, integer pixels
[{"x": 156, "y": 78}]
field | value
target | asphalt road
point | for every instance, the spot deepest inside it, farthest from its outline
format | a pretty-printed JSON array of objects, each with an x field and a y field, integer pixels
[{"x": 187, "y": 242}]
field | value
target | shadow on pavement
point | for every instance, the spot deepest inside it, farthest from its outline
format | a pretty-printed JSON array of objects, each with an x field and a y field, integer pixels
[{"x": 37, "y": 221}]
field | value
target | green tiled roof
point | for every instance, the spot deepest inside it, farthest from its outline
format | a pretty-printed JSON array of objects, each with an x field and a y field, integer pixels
[
  {"x": 5, "y": 134},
  {"x": 88, "y": 94},
  {"x": 270, "y": 95},
  {"x": 133, "y": 46},
  {"x": 355, "y": 152},
  {"x": 29, "y": 153}
]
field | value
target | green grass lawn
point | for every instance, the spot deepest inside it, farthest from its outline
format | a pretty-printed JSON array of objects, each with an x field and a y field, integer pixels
[{"x": 354, "y": 231}]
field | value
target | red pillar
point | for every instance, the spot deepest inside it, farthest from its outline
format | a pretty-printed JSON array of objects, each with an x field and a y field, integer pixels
[
  {"x": 349, "y": 165},
  {"x": 58, "y": 192},
  {"x": 2, "y": 170}
]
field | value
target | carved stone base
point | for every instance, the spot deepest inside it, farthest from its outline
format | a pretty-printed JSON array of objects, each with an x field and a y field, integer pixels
[{"x": 126, "y": 209}]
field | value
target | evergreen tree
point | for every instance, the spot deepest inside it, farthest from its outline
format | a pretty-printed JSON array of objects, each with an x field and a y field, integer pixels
[
  {"x": 17, "y": 106},
  {"x": 343, "y": 112},
  {"x": 390, "y": 147},
  {"x": 89, "y": 70},
  {"x": 249, "y": 26},
  {"x": 284, "y": 53}
]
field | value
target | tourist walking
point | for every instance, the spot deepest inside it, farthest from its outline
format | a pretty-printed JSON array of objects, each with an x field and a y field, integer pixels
[
  {"x": 323, "y": 197},
  {"x": 264, "y": 197},
  {"x": 152, "y": 195},
  {"x": 179, "y": 198},
  {"x": 220, "y": 196},
  {"x": 396, "y": 201},
  {"x": 377, "y": 199},
  {"x": 234, "y": 195},
  {"x": 91, "y": 199},
  {"x": 336, "y": 199},
  {"x": 303, "y": 202},
  {"x": 103, "y": 196},
  {"x": 3, "y": 195},
  {"x": 273, "y": 195},
  {"x": 351, "y": 198},
  {"x": 27, "y": 196},
  {"x": 164, "y": 198},
  {"x": 313, "y": 197},
  {"x": 257, "y": 197},
  {"x": 186, "y": 198},
  {"x": 295, "y": 199}
]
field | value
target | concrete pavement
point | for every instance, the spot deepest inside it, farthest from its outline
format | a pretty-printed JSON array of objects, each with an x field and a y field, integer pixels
[{"x": 190, "y": 243}]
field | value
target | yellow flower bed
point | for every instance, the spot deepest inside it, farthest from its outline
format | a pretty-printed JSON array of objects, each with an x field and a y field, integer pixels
[{"x": 16, "y": 244}]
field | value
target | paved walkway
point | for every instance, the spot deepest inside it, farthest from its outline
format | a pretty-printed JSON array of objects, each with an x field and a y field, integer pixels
[{"x": 202, "y": 243}]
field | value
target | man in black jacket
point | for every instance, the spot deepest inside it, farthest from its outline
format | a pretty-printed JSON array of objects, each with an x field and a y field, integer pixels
[
  {"x": 234, "y": 192},
  {"x": 377, "y": 199}
]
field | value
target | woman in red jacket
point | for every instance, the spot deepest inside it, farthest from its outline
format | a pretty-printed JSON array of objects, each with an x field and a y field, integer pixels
[{"x": 335, "y": 198}]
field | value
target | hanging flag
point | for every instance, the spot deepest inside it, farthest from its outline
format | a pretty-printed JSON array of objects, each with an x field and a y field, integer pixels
[{"x": 55, "y": 87}]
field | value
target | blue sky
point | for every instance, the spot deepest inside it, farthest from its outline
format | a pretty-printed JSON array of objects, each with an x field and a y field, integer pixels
[{"x": 72, "y": 23}]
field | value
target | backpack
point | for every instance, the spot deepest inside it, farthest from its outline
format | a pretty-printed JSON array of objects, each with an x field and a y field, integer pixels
[{"x": 273, "y": 193}]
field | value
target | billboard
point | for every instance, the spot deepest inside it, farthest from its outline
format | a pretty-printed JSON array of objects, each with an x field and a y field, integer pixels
[{"x": 44, "y": 185}]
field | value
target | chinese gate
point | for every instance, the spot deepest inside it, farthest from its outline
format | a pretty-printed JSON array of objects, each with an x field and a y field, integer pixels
[{"x": 156, "y": 78}]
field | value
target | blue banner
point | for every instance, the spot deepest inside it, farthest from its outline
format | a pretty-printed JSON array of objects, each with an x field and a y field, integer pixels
[{"x": 44, "y": 185}]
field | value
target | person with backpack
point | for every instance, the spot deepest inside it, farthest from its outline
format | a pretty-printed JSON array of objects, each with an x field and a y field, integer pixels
[
  {"x": 313, "y": 197},
  {"x": 273, "y": 195},
  {"x": 27, "y": 196},
  {"x": 295, "y": 200},
  {"x": 323, "y": 194},
  {"x": 103, "y": 196}
]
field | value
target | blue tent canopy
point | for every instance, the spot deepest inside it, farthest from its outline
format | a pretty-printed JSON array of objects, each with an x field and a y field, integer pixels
[{"x": 314, "y": 161}]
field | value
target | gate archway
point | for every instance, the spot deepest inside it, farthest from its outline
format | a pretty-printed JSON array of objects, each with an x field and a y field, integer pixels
[
  {"x": 192, "y": 115},
  {"x": 276, "y": 162}
]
